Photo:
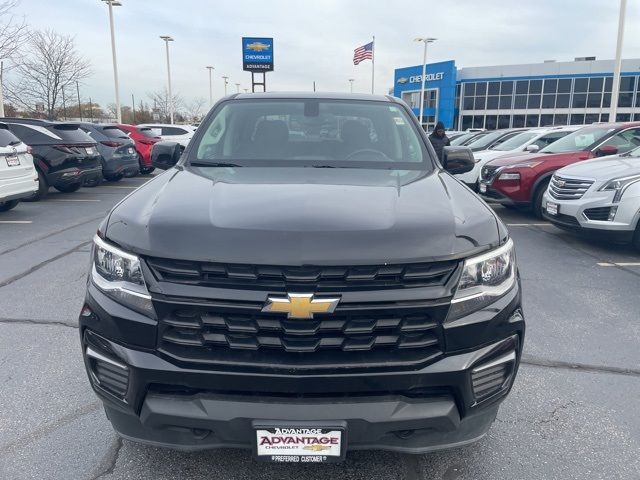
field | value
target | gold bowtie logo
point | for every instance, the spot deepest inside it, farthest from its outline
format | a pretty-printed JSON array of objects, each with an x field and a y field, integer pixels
[
  {"x": 316, "y": 447},
  {"x": 300, "y": 305}
]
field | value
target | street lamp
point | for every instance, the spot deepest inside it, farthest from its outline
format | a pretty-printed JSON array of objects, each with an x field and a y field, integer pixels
[
  {"x": 226, "y": 82},
  {"x": 114, "y": 3},
  {"x": 168, "y": 39},
  {"x": 426, "y": 41},
  {"x": 618, "y": 63},
  {"x": 210, "y": 86},
  {"x": 351, "y": 80}
]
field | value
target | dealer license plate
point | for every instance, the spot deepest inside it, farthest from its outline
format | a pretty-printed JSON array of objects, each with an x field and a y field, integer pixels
[
  {"x": 13, "y": 161},
  {"x": 553, "y": 208},
  {"x": 483, "y": 188},
  {"x": 299, "y": 445}
]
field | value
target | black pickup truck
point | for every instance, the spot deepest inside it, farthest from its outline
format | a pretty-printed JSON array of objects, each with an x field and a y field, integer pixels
[{"x": 305, "y": 279}]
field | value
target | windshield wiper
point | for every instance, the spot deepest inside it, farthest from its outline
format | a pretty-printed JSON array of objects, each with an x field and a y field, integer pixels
[{"x": 213, "y": 164}]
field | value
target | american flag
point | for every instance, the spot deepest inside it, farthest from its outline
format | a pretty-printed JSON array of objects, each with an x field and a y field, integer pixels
[{"x": 363, "y": 53}]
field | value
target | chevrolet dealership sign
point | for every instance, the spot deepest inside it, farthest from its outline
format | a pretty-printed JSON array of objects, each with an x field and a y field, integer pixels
[{"x": 418, "y": 78}]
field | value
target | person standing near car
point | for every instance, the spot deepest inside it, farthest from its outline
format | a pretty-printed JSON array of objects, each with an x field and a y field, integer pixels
[{"x": 439, "y": 139}]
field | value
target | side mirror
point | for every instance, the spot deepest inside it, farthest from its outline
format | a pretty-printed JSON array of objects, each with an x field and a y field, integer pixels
[
  {"x": 605, "y": 150},
  {"x": 165, "y": 155},
  {"x": 532, "y": 148},
  {"x": 457, "y": 160}
]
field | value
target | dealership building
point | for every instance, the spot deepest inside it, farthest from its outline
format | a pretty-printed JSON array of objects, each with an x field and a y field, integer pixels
[{"x": 529, "y": 95}]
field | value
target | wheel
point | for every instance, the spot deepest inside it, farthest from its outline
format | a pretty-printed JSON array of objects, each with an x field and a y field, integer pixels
[
  {"x": 537, "y": 198},
  {"x": 8, "y": 205},
  {"x": 74, "y": 187},
  {"x": 146, "y": 170},
  {"x": 43, "y": 189},
  {"x": 636, "y": 238},
  {"x": 93, "y": 183}
]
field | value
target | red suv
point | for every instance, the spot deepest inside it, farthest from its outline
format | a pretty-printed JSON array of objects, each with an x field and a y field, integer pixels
[
  {"x": 521, "y": 180},
  {"x": 144, "y": 138}
]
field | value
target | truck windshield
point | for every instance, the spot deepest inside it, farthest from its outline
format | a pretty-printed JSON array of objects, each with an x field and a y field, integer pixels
[
  {"x": 579, "y": 140},
  {"x": 310, "y": 133}
]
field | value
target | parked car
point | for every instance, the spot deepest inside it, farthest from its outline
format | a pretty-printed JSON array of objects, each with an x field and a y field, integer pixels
[
  {"x": 599, "y": 197},
  {"x": 233, "y": 300},
  {"x": 527, "y": 141},
  {"x": 65, "y": 157},
  {"x": 493, "y": 138},
  {"x": 177, "y": 133},
  {"x": 18, "y": 177},
  {"x": 466, "y": 138},
  {"x": 144, "y": 139},
  {"x": 118, "y": 154},
  {"x": 521, "y": 180}
]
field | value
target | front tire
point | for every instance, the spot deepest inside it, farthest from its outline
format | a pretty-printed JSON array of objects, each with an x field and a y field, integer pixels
[
  {"x": 636, "y": 237},
  {"x": 74, "y": 187},
  {"x": 8, "y": 205},
  {"x": 537, "y": 198}
]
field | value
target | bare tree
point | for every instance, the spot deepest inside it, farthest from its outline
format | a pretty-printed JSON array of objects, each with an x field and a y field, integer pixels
[
  {"x": 13, "y": 30},
  {"x": 195, "y": 109},
  {"x": 160, "y": 103},
  {"x": 50, "y": 65}
]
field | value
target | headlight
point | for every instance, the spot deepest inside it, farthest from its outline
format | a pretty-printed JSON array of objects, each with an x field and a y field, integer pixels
[
  {"x": 118, "y": 275},
  {"x": 509, "y": 176},
  {"x": 484, "y": 279},
  {"x": 619, "y": 185}
]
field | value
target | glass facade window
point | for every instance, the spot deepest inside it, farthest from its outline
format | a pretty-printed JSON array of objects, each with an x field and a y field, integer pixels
[
  {"x": 534, "y": 101},
  {"x": 480, "y": 103},
  {"x": 532, "y": 120},
  {"x": 492, "y": 102},
  {"x": 506, "y": 87},
  {"x": 517, "y": 121},
  {"x": 549, "y": 100},
  {"x": 504, "y": 121},
  {"x": 594, "y": 100},
  {"x": 623, "y": 117},
  {"x": 520, "y": 102},
  {"x": 595, "y": 84},
  {"x": 550, "y": 85},
  {"x": 493, "y": 88},
  {"x": 580, "y": 85},
  {"x": 579, "y": 100},
  {"x": 560, "y": 119},
  {"x": 491, "y": 122},
  {"x": 564, "y": 85},
  {"x": 481, "y": 89},
  {"x": 505, "y": 102},
  {"x": 591, "y": 118},
  {"x": 546, "y": 120},
  {"x": 535, "y": 86},
  {"x": 577, "y": 118},
  {"x": 478, "y": 121}
]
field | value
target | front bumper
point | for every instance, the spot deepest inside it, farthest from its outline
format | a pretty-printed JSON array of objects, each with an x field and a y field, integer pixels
[{"x": 191, "y": 407}]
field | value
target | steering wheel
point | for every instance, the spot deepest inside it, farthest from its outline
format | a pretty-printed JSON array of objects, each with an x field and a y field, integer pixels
[{"x": 369, "y": 151}]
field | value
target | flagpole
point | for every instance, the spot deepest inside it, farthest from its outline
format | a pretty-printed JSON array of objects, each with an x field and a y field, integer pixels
[{"x": 373, "y": 62}]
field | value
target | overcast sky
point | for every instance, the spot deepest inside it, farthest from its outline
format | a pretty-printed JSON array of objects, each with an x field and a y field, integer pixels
[{"x": 315, "y": 39}]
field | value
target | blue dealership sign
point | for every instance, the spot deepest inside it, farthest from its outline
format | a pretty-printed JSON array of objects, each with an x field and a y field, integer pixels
[{"x": 257, "y": 54}]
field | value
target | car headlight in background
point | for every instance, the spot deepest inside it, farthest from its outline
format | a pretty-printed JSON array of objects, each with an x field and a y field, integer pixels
[
  {"x": 484, "y": 279},
  {"x": 118, "y": 275},
  {"x": 619, "y": 185}
]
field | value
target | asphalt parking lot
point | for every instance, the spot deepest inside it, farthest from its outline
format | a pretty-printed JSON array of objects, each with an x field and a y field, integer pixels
[{"x": 573, "y": 412}]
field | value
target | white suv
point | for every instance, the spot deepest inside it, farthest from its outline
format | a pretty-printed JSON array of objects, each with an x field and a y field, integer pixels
[
  {"x": 176, "y": 133},
  {"x": 600, "y": 196},
  {"x": 18, "y": 177},
  {"x": 527, "y": 141}
]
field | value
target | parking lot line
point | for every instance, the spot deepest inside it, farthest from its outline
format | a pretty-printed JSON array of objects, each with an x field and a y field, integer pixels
[
  {"x": 75, "y": 200},
  {"x": 121, "y": 186},
  {"x": 17, "y": 222},
  {"x": 619, "y": 264},
  {"x": 528, "y": 224}
]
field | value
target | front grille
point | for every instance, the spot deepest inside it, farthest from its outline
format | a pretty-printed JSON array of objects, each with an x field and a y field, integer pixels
[
  {"x": 381, "y": 335},
  {"x": 488, "y": 172},
  {"x": 282, "y": 279},
  {"x": 598, "y": 213},
  {"x": 563, "y": 220},
  {"x": 564, "y": 188}
]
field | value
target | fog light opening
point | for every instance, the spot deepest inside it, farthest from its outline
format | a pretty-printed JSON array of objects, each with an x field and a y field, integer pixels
[
  {"x": 107, "y": 374},
  {"x": 493, "y": 376},
  {"x": 404, "y": 434}
]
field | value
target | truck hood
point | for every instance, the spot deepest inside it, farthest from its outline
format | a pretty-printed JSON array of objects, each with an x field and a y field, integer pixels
[
  {"x": 602, "y": 169},
  {"x": 298, "y": 216}
]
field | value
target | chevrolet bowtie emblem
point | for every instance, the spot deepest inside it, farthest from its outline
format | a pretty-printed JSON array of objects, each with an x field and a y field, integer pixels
[
  {"x": 316, "y": 448},
  {"x": 300, "y": 305}
]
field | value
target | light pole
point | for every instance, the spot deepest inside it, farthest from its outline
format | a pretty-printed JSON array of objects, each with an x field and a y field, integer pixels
[
  {"x": 210, "y": 86},
  {"x": 226, "y": 82},
  {"x": 426, "y": 41},
  {"x": 168, "y": 39},
  {"x": 618, "y": 63},
  {"x": 351, "y": 80},
  {"x": 114, "y": 3}
]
